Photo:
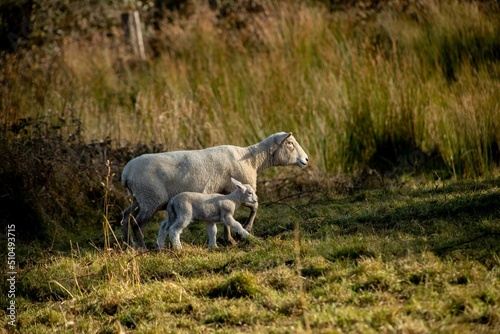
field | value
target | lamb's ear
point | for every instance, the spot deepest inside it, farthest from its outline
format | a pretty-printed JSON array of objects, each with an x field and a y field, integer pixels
[
  {"x": 284, "y": 137},
  {"x": 238, "y": 184}
]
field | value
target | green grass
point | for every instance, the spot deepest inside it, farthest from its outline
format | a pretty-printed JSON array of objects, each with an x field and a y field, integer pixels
[{"x": 416, "y": 258}]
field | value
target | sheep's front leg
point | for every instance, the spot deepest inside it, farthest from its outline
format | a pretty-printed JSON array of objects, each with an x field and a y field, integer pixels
[{"x": 253, "y": 212}]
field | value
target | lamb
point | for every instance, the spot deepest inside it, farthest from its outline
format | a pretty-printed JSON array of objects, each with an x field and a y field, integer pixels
[
  {"x": 153, "y": 179},
  {"x": 211, "y": 208}
]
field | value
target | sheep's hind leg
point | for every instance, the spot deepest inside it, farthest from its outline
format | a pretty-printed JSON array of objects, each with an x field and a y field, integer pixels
[
  {"x": 142, "y": 218},
  {"x": 128, "y": 220},
  {"x": 162, "y": 233}
]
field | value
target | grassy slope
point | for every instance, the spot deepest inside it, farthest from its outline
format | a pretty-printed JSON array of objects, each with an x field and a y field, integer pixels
[{"x": 415, "y": 259}]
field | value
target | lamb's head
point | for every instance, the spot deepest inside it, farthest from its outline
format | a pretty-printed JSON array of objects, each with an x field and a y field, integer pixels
[
  {"x": 288, "y": 151},
  {"x": 246, "y": 192}
]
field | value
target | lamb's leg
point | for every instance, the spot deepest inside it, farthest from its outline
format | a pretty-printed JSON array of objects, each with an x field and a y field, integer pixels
[
  {"x": 248, "y": 225},
  {"x": 176, "y": 229},
  {"x": 212, "y": 235},
  {"x": 230, "y": 222},
  {"x": 253, "y": 212}
]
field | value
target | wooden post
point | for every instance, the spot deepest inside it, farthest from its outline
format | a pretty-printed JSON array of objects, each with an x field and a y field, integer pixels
[{"x": 131, "y": 24}]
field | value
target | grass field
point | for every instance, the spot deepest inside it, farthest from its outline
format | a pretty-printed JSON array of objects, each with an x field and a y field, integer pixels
[{"x": 418, "y": 258}]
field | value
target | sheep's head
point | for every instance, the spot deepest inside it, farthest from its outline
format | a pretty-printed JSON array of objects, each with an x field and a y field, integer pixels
[
  {"x": 288, "y": 151},
  {"x": 247, "y": 191}
]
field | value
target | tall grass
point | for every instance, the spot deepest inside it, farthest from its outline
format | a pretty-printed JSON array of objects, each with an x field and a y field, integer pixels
[{"x": 354, "y": 91}]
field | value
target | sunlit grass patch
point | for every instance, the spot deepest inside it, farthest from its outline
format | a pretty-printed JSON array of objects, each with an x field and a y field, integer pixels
[{"x": 241, "y": 285}]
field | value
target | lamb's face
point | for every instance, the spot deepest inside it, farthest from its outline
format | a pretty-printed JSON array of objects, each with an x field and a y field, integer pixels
[
  {"x": 289, "y": 153},
  {"x": 250, "y": 195},
  {"x": 246, "y": 191}
]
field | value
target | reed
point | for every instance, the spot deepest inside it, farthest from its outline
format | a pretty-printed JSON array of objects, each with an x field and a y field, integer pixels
[{"x": 354, "y": 91}]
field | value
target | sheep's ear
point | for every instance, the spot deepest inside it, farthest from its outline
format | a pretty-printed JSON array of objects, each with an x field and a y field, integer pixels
[
  {"x": 238, "y": 184},
  {"x": 284, "y": 137}
]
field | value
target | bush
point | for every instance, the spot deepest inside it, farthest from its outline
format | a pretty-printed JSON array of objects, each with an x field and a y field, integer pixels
[{"x": 53, "y": 189}]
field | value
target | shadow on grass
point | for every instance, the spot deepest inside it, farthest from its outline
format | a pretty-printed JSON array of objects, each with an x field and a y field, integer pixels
[
  {"x": 461, "y": 187},
  {"x": 463, "y": 210},
  {"x": 460, "y": 217}
]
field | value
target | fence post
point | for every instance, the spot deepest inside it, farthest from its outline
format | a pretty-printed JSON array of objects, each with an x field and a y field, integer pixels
[{"x": 131, "y": 25}]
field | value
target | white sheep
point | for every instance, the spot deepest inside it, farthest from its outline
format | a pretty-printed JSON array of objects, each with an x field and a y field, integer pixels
[
  {"x": 153, "y": 179},
  {"x": 210, "y": 208}
]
